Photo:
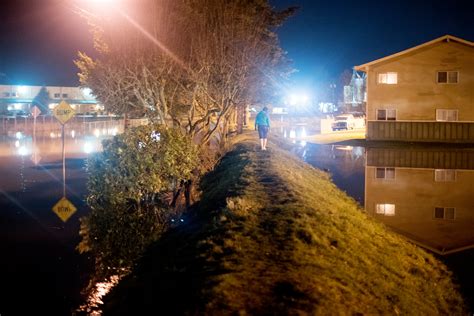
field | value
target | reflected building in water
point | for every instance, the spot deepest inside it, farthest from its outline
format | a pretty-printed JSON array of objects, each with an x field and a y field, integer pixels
[{"x": 426, "y": 195}]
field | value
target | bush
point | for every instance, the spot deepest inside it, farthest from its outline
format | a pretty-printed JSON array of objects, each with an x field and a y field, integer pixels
[{"x": 127, "y": 185}]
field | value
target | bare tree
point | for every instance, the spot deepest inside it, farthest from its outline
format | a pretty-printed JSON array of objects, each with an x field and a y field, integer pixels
[{"x": 191, "y": 64}]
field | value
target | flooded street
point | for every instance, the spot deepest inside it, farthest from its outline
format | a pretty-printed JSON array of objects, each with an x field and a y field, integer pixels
[
  {"x": 425, "y": 194},
  {"x": 40, "y": 268}
]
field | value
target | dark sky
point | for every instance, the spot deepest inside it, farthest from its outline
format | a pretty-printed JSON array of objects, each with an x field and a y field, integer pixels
[
  {"x": 326, "y": 37},
  {"x": 39, "y": 38}
]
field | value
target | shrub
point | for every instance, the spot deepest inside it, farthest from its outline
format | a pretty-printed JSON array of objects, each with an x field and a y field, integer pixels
[{"x": 128, "y": 183}]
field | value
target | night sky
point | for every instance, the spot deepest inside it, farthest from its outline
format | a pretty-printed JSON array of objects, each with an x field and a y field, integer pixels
[{"x": 40, "y": 38}]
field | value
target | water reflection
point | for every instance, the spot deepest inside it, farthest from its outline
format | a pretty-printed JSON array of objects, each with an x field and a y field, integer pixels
[
  {"x": 425, "y": 195},
  {"x": 94, "y": 301},
  {"x": 296, "y": 131},
  {"x": 344, "y": 163},
  {"x": 38, "y": 250}
]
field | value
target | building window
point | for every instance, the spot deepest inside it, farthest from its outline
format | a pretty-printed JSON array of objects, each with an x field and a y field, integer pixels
[
  {"x": 448, "y": 213},
  {"x": 385, "y": 209},
  {"x": 447, "y": 76},
  {"x": 57, "y": 95},
  {"x": 388, "y": 78},
  {"x": 445, "y": 175},
  {"x": 385, "y": 173},
  {"x": 14, "y": 94},
  {"x": 65, "y": 95},
  {"x": 6, "y": 94},
  {"x": 446, "y": 115},
  {"x": 386, "y": 115}
]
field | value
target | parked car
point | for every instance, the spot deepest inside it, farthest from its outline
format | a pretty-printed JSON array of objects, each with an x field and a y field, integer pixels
[
  {"x": 343, "y": 121},
  {"x": 18, "y": 113}
]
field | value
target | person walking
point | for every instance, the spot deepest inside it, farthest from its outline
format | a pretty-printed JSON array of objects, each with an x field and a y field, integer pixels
[{"x": 262, "y": 124}]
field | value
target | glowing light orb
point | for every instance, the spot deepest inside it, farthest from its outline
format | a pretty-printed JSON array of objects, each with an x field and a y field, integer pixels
[
  {"x": 23, "y": 151},
  {"x": 88, "y": 148}
]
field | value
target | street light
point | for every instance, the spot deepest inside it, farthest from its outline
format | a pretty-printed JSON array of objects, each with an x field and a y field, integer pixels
[{"x": 298, "y": 99}]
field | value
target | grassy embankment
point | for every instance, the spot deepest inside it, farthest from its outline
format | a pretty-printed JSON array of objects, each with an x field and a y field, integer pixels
[{"x": 273, "y": 235}]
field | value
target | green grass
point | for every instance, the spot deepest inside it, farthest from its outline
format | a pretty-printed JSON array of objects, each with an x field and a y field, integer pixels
[{"x": 272, "y": 235}]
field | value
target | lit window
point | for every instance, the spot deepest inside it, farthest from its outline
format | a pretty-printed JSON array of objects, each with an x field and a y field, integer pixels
[
  {"x": 447, "y": 76},
  {"x": 385, "y": 173},
  {"x": 385, "y": 209},
  {"x": 386, "y": 115},
  {"x": 388, "y": 78},
  {"x": 445, "y": 175},
  {"x": 446, "y": 115},
  {"x": 448, "y": 213}
]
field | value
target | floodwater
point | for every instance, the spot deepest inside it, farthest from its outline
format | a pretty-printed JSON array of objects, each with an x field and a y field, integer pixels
[
  {"x": 40, "y": 271},
  {"x": 424, "y": 194}
]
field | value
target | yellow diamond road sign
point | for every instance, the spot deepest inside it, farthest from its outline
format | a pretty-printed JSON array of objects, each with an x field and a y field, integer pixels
[
  {"x": 64, "y": 209},
  {"x": 63, "y": 112}
]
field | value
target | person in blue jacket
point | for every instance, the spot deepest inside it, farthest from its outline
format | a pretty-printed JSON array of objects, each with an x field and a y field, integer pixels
[{"x": 262, "y": 124}]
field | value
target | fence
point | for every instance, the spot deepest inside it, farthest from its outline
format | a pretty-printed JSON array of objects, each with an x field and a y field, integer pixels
[
  {"x": 434, "y": 158},
  {"x": 49, "y": 123},
  {"x": 459, "y": 132}
]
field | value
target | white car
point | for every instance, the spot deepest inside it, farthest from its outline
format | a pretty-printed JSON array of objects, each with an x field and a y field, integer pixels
[{"x": 343, "y": 121}]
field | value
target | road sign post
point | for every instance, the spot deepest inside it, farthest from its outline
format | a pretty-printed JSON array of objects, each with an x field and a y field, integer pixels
[
  {"x": 63, "y": 113},
  {"x": 35, "y": 111}
]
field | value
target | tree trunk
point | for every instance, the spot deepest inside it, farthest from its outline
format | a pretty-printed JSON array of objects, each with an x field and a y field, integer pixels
[
  {"x": 177, "y": 194},
  {"x": 188, "y": 186},
  {"x": 240, "y": 119},
  {"x": 126, "y": 122}
]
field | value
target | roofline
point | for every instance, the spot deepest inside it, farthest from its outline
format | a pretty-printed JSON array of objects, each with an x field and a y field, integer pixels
[
  {"x": 443, "y": 251},
  {"x": 448, "y": 38}
]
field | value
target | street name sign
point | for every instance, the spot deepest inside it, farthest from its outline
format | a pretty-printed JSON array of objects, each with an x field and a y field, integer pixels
[{"x": 63, "y": 112}]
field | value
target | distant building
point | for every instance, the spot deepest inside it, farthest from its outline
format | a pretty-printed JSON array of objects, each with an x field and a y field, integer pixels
[
  {"x": 15, "y": 99},
  {"x": 354, "y": 93},
  {"x": 425, "y": 93}
]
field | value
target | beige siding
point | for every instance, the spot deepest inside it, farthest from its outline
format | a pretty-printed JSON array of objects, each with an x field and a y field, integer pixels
[{"x": 417, "y": 94}]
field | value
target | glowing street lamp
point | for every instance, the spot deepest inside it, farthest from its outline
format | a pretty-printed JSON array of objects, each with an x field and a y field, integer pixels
[{"x": 298, "y": 99}]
